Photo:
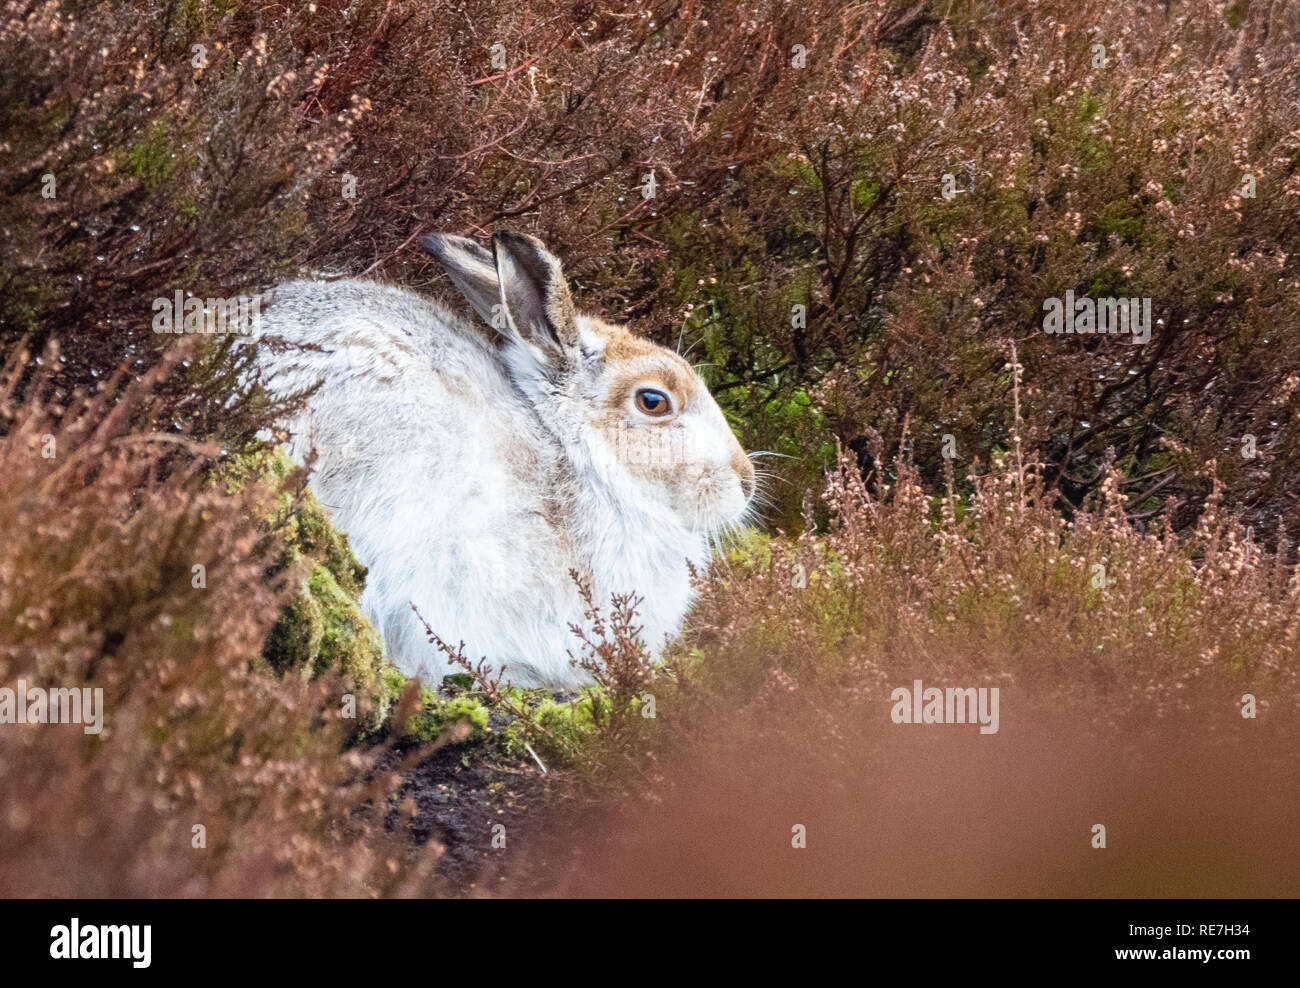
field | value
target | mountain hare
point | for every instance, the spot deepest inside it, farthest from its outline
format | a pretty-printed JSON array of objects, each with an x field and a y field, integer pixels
[{"x": 474, "y": 468}]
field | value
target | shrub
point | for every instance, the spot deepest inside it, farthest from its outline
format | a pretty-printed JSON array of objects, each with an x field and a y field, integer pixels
[
  {"x": 784, "y": 176},
  {"x": 124, "y": 569}
]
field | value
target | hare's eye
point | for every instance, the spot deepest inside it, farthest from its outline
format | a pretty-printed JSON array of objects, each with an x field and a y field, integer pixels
[{"x": 653, "y": 402}]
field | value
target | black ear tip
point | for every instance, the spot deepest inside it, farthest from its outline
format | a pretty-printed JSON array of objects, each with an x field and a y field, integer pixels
[
  {"x": 514, "y": 241},
  {"x": 453, "y": 250}
]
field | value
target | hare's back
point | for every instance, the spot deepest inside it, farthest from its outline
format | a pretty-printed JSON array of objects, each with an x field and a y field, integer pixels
[
  {"x": 356, "y": 327},
  {"x": 407, "y": 390}
]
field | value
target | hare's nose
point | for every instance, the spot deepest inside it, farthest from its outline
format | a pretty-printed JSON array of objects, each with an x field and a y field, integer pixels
[{"x": 744, "y": 470}]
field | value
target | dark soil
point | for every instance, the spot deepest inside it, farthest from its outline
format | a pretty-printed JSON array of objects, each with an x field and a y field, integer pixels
[{"x": 461, "y": 792}]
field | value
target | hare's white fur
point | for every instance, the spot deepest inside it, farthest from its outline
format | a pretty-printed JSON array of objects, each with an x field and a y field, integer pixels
[{"x": 473, "y": 471}]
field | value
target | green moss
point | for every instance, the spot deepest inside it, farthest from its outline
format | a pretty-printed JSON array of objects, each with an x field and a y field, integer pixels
[
  {"x": 1122, "y": 219},
  {"x": 316, "y": 537},
  {"x": 309, "y": 531},
  {"x": 1089, "y": 107},
  {"x": 152, "y": 160},
  {"x": 348, "y": 642},
  {"x": 749, "y": 550},
  {"x": 391, "y": 683},
  {"x": 1109, "y": 281},
  {"x": 439, "y": 715},
  {"x": 572, "y": 725},
  {"x": 322, "y": 628},
  {"x": 295, "y": 640}
]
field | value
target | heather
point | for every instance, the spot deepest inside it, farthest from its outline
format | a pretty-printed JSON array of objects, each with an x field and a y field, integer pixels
[{"x": 850, "y": 217}]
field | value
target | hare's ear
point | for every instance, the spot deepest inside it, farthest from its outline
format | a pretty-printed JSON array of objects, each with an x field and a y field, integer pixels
[
  {"x": 472, "y": 270},
  {"x": 534, "y": 296}
]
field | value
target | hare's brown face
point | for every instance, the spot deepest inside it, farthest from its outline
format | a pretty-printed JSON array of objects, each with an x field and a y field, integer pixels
[
  {"x": 645, "y": 415},
  {"x": 654, "y": 414}
]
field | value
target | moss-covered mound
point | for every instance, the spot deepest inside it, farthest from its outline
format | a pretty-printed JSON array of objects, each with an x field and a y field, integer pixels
[{"x": 322, "y": 629}]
